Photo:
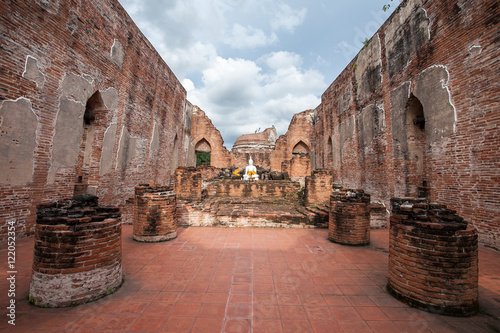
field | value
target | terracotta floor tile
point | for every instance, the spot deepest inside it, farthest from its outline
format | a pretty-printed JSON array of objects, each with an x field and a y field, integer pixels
[
  {"x": 263, "y": 288},
  {"x": 315, "y": 312},
  {"x": 216, "y": 287},
  {"x": 242, "y": 288},
  {"x": 312, "y": 299},
  {"x": 148, "y": 324},
  {"x": 60, "y": 322},
  {"x": 292, "y": 312},
  {"x": 358, "y": 300},
  {"x": 132, "y": 307},
  {"x": 371, "y": 313},
  {"x": 218, "y": 298},
  {"x": 288, "y": 299},
  {"x": 240, "y": 298},
  {"x": 209, "y": 310},
  {"x": 159, "y": 309},
  {"x": 197, "y": 286},
  {"x": 345, "y": 313},
  {"x": 175, "y": 286},
  {"x": 266, "y": 298},
  {"x": 177, "y": 325},
  {"x": 296, "y": 326},
  {"x": 266, "y": 311},
  {"x": 267, "y": 326},
  {"x": 383, "y": 326},
  {"x": 185, "y": 310},
  {"x": 285, "y": 288},
  {"x": 237, "y": 325},
  {"x": 325, "y": 326},
  {"x": 207, "y": 325},
  {"x": 191, "y": 297},
  {"x": 336, "y": 300},
  {"x": 118, "y": 323},
  {"x": 354, "y": 327},
  {"x": 168, "y": 296},
  {"x": 351, "y": 290},
  {"x": 89, "y": 322},
  {"x": 239, "y": 311}
]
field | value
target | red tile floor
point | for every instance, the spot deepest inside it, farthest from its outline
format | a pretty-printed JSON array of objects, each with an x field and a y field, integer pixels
[{"x": 248, "y": 280}]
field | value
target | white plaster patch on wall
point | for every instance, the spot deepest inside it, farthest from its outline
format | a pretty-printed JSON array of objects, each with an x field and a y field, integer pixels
[
  {"x": 117, "y": 53},
  {"x": 429, "y": 25},
  {"x": 155, "y": 141},
  {"x": 475, "y": 50},
  {"x": 120, "y": 147},
  {"x": 18, "y": 140},
  {"x": 32, "y": 72}
]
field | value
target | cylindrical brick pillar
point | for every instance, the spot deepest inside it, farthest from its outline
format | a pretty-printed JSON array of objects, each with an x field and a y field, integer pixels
[
  {"x": 433, "y": 258},
  {"x": 349, "y": 217},
  {"x": 155, "y": 216},
  {"x": 77, "y": 254}
]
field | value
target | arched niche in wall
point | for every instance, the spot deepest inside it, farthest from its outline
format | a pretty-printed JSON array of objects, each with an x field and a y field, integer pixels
[
  {"x": 203, "y": 151},
  {"x": 416, "y": 155},
  {"x": 300, "y": 149},
  {"x": 89, "y": 156}
]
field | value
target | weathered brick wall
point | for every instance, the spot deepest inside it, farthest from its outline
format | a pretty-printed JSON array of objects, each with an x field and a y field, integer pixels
[
  {"x": 349, "y": 217},
  {"x": 187, "y": 185},
  {"x": 318, "y": 188},
  {"x": 77, "y": 256},
  {"x": 155, "y": 215},
  {"x": 203, "y": 129},
  {"x": 256, "y": 189},
  {"x": 416, "y": 112},
  {"x": 90, "y": 103},
  {"x": 298, "y": 135},
  {"x": 433, "y": 258}
]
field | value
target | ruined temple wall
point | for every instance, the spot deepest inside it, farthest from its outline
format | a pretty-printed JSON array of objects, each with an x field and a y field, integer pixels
[
  {"x": 58, "y": 59},
  {"x": 443, "y": 55},
  {"x": 299, "y": 131},
  {"x": 203, "y": 129}
]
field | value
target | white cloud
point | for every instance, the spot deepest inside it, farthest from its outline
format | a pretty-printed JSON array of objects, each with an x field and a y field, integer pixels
[
  {"x": 249, "y": 37},
  {"x": 197, "y": 57},
  {"x": 232, "y": 82},
  {"x": 282, "y": 59},
  {"x": 287, "y": 18}
]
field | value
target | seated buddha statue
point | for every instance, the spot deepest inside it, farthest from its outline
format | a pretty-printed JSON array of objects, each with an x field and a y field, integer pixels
[{"x": 250, "y": 171}]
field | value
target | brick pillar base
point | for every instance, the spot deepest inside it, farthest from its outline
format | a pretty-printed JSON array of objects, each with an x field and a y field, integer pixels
[
  {"x": 349, "y": 217},
  {"x": 155, "y": 216},
  {"x": 433, "y": 258},
  {"x": 77, "y": 254}
]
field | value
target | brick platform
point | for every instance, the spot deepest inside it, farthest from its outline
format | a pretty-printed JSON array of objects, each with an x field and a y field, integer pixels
[
  {"x": 349, "y": 217},
  {"x": 77, "y": 256},
  {"x": 155, "y": 213},
  {"x": 433, "y": 258}
]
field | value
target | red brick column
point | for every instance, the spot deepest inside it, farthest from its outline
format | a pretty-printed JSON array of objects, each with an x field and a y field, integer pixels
[
  {"x": 77, "y": 254},
  {"x": 433, "y": 258},
  {"x": 349, "y": 217},
  {"x": 155, "y": 215}
]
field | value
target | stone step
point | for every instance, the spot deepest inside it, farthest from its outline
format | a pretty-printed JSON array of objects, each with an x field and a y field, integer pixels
[{"x": 265, "y": 215}]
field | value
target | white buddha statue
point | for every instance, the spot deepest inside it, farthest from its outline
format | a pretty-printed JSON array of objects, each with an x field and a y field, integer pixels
[{"x": 250, "y": 171}]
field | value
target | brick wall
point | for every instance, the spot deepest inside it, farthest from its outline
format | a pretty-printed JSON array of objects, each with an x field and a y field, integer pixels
[
  {"x": 349, "y": 217},
  {"x": 155, "y": 215},
  {"x": 318, "y": 188},
  {"x": 77, "y": 254},
  {"x": 416, "y": 113},
  {"x": 68, "y": 63},
  {"x": 433, "y": 258},
  {"x": 240, "y": 188}
]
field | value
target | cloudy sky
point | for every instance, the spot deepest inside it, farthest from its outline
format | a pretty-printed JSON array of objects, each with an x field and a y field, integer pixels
[{"x": 252, "y": 64}]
